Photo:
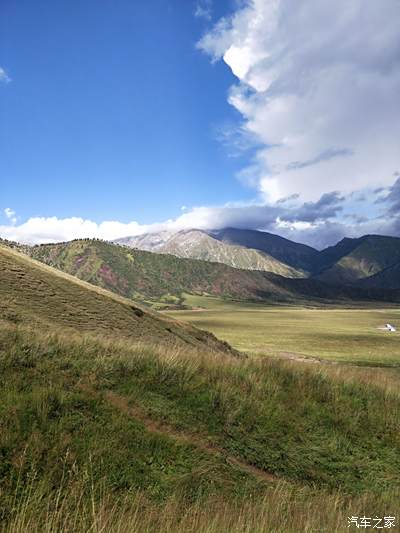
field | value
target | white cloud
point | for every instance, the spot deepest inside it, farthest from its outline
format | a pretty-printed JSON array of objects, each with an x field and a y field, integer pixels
[
  {"x": 4, "y": 77},
  {"x": 319, "y": 86},
  {"x": 11, "y": 215},
  {"x": 203, "y": 9},
  {"x": 318, "y": 223},
  {"x": 37, "y": 230},
  {"x": 40, "y": 230}
]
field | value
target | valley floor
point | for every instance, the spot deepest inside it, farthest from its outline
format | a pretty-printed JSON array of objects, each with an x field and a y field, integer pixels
[{"x": 335, "y": 334}]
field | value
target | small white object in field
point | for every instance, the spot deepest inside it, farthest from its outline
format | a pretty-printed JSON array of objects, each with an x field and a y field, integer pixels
[{"x": 389, "y": 327}]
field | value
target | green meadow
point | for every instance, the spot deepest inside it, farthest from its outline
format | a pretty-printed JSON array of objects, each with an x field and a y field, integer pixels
[
  {"x": 337, "y": 334},
  {"x": 115, "y": 419}
]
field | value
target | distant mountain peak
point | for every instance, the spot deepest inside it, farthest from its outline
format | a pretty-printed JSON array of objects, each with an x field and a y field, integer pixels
[
  {"x": 219, "y": 246},
  {"x": 351, "y": 260}
]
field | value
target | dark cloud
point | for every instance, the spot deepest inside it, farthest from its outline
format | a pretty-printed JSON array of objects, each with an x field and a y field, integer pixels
[
  {"x": 392, "y": 199},
  {"x": 321, "y": 223},
  {"x": 328, "y": 206},
  {"x": 288, "y": 199},
  {"x": 266, "y": 216},
  {"x": 327, "y": 155}
]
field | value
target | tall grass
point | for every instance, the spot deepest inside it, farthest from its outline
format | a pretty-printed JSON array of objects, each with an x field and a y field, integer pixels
[
  {"x": 70, "y": 461},
  {"x": 84, "y": 507}
]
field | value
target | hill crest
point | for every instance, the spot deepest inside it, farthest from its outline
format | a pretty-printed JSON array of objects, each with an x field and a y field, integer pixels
[{"x": 35, "y": 294}]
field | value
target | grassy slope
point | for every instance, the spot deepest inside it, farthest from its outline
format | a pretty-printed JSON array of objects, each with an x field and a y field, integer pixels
[
  {"x": 61, "y": 435},
  {"x": 147, "y": 276},
  {"x": 349, "y": 335},
  {"x": 389, "y": 278},
  {"x": 291, "y": 253},
  {"x": 56, "y": 429},
  {"x": 34, "y": 294},
  {"x": 65, "y": 446},
  {"x": 355, "y": 259}
]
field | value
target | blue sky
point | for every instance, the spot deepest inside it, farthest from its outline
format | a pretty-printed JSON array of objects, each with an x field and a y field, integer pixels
[
  {"x": 112, "y": 112},
  {"x": 125, "y": 117}
]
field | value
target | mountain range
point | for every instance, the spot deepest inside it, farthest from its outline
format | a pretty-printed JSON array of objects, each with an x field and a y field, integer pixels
[
  {"x": 349, "y": 262},
  {"x": 353, "y": 270},
  {"x": 158, "y": 269}
]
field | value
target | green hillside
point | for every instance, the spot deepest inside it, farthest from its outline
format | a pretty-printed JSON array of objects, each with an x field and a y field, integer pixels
[
  {"x": 329, "y": 256},
  {"x": 349, "y": 261},
  {"x": 296, "y": 255},
  {"x": 113, "y": 424},
  {"x": 155, "y": 278},
  {"x": 147, "y": 276},
  {"x": 388, "y": 278},
  {"x": 355, "y": 259}
]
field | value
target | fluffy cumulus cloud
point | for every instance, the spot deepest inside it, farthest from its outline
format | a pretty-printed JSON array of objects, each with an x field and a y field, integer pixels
[
  {"x": 318, "y": 87},
  {"x": 39, "y": 230}
]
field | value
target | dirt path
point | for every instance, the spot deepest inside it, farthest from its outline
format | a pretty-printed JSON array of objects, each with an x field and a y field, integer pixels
[
  {"x": 154, "y": 426},
  {"x": 293, "y": 356}
]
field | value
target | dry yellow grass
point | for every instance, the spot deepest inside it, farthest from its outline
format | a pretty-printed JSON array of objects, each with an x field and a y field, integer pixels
[
  {"x": 283, "y": 509},
  {"x": 34, "y": 294}
]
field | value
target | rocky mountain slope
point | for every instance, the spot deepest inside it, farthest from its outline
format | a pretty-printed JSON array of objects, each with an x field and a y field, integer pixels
[{"x": 198, "y": 244}]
